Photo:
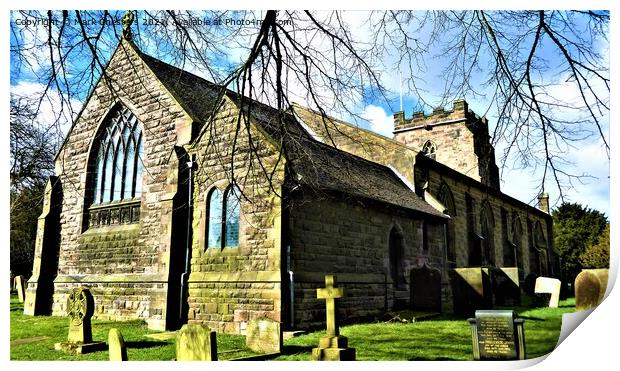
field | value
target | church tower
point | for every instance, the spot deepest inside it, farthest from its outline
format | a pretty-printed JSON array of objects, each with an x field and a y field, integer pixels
[{"x": 458, "y": 138}]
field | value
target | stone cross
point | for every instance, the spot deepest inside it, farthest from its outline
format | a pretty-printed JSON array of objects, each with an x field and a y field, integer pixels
[
  {"x": 80, "y": 309},
  {"x": 127, "y": 21},
  {"x": 330, "y": 294},
  {"x": 116, "y": 346}
]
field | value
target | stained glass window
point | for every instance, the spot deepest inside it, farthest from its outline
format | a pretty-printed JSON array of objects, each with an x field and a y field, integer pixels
[
  {"x": 119, "y": 159},
  {"x": 214, "y": 237},
  {"x": 232, "y": 198}
]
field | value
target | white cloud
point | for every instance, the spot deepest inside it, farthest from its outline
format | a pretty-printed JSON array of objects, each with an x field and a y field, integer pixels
[
  {"x": 380, "y": 121},
  {"x": 49, "y": 113}
]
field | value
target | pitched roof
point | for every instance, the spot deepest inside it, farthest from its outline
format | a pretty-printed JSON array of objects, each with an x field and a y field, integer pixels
[{"x": 318, "y": 165}]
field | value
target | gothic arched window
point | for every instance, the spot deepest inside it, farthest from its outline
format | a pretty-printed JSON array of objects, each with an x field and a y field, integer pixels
[
  {"x": 214, "y": 234},
  {"x": 117, "y": 167},
  {"x": 223, "y": 218},
  {"x": 429, "y": 149},
  {"x": 487, "y": 229},
  {"x": 232, "y": 198},
  {"x": 447, "y": 199},
  {"x": 119, "y": 159}
]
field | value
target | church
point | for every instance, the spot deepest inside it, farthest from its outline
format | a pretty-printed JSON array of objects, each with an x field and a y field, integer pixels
[{"x": 178, "y": 201}]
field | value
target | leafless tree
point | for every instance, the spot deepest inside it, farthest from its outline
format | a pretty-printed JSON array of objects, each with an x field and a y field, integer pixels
[{"x": 514, "y": 60}]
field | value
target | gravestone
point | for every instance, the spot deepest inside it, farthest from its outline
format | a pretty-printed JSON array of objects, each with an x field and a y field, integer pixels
[
  {"x": 80, "y": 309},
  {"x": 196, "y": 342},
  {"x": 590, "y": 286},
  {"x": 497, "y": 335},
  {"x": 264, "y": 336},
  {"x": 19, "y": 286},
  {"x": 547, "y": 285},
  {"x": 425, "y": 289},
  {"x": 332, "y": 347},
  {"x": 116, "y": 346},
  {"x": 471, "y": 290},
  {"x": 505, "y": 286}
]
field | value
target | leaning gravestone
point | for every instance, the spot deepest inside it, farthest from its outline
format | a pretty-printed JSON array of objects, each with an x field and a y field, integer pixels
[
  {"x": 80, "y": 308},
  {"x": 196, "y": 342},
  {"x": 19, "y": 286},
  {"x": 547, "y": 285},
  {"x": 426, "y": 289},
  {"x": 332, "y": 347},
  {"x": 590, "y": 286},
  {"x": 264, "y": 336},
  {"x": 497, "y": 335},
  {"x": 116, "y": 346}
]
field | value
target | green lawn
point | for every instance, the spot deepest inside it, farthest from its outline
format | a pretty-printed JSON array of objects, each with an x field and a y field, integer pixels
[
  {"x": 445, "y": 338},
  {"x": 139, "y": 347}
]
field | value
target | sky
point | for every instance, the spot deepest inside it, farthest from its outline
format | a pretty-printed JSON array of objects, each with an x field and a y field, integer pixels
[{"x": 587, "y": 157}]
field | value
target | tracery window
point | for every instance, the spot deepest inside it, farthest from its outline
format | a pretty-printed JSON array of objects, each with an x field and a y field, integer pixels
[
  {"x": 118, "y": 168},
  {"x": 429, "y": 149}
]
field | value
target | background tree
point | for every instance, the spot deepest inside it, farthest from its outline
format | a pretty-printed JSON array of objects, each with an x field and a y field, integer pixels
[
  {"x": 575, "y": 229},
  {"x": 32, "y": 154},
  {"x": 597, "y": 255}
]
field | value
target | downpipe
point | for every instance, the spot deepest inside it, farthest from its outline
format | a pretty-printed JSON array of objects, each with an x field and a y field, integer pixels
[{"x": 184, "y": 286}]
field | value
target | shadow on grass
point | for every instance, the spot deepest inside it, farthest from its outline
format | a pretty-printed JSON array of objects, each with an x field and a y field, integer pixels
[
  {"x": 433, "y": 359},
  {"x": 145, "y": 344},
  {"x": 295, "y": 349},
  {"x": 532, "y": 318}
]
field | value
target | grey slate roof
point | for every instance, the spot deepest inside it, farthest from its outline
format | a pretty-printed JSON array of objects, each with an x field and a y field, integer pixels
[{"x": 318, "y": 165}]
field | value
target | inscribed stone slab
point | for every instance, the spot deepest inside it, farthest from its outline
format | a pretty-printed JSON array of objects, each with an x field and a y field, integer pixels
[
  {"x": 19, "y": 286},
  {"x": 196, "y": 342},
  {"x": 547, "y": 285},
  {"x": 425, "y": 289},
  {"x": 497, "y": 335},
  {"x": 590, "y": 286},
  {"x": 264, "y": 336},
  {"x": 116, "y": 346}
]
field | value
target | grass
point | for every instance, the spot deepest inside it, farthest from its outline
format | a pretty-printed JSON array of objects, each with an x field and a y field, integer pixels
[
  {"x": 444, "y": 338},
  {"x": 139, "y": 347}
]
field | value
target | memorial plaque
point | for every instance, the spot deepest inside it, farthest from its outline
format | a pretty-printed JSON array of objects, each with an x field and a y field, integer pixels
[{"x": 497, "y": 335}]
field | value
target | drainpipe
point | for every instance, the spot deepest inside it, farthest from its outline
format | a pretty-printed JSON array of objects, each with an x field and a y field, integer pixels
[
  {"x": 188, "y": 247},
  {"x": 291, "y": 285}
]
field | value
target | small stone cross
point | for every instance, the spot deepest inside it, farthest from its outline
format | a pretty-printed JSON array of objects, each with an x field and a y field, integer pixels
[
  {"x": 330, "y": 293},
  {"x": 127, "y": 22}
]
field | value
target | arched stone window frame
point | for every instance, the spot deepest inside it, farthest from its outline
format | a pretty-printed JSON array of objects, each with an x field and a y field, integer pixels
[
  {"x": 430, "y": 149},
  {"x": 516, "y": 238},
  {"x": 214, "y": 216},
  {"x": 396, "y": 256},
  {"x": 445, "y": 196},
  {"x": 231, "y": 216},
  {"x": 540, "y": 247},
  {"x": 487, "y": 232},
  {"x": 115, "y": 170}
]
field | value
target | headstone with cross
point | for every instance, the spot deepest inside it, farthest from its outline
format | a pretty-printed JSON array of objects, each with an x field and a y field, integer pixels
[
  {"x": 332, "y": 347},
  {"x": 80, "y": 309}
]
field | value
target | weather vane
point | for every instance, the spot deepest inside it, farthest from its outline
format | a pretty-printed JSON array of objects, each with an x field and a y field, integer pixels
[{"x": 127, "y": 21}]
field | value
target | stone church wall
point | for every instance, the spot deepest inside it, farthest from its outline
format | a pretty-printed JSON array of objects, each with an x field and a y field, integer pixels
[
  {"x": 230, "y": 286},
  {"x": 123, "y": 265},
  {"x": 350, "y": 239},
  {"x": 504, "y": 210}
]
